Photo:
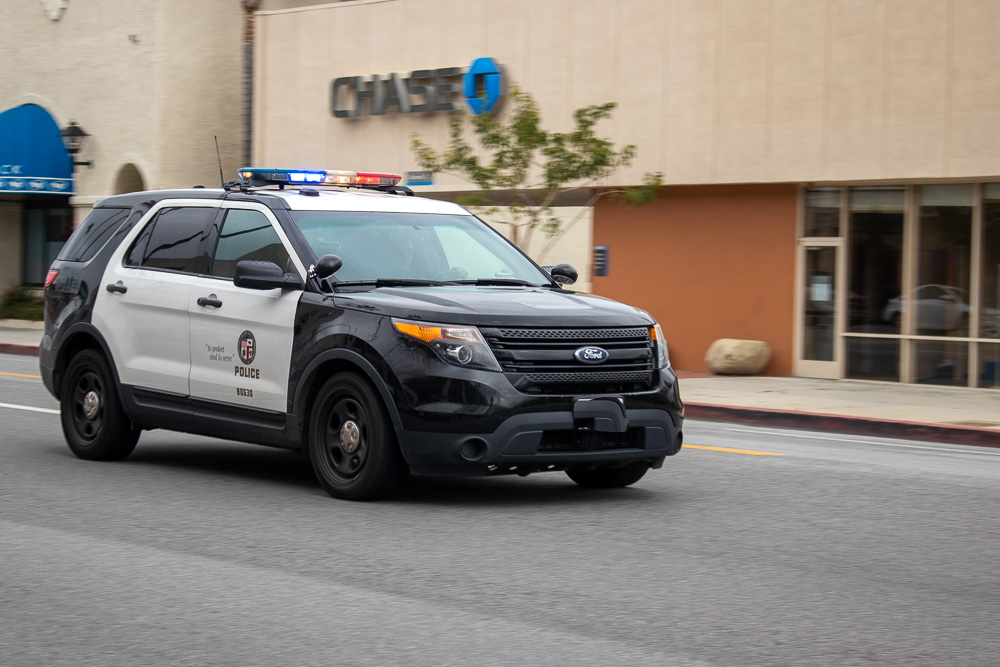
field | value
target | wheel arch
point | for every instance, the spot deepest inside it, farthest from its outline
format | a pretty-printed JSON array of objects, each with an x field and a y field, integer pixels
[
  {"x": 82, "y": 336},
  {"x": 326, "y": 365}
]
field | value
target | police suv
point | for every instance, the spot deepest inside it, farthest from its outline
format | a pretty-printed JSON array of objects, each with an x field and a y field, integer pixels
[{"x": 381, "y": 333}]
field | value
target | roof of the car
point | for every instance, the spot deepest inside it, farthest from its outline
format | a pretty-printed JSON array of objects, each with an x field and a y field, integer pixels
[{"x": 347, "y": 199}]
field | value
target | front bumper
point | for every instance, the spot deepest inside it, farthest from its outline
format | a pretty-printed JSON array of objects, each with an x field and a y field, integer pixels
[{"x": 535, "y": 442}]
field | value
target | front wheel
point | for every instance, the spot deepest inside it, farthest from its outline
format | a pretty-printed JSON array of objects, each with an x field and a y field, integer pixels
[
  {"x": 609, "y": 478},
  {"x": 93, "y": 421},
  {"x": 351, "y": 441}
]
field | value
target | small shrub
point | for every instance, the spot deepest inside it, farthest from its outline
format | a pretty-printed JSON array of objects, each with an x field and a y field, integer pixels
[{"x": 21, "y": 303}]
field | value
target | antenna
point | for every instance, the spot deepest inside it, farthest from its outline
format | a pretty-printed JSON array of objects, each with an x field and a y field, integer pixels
[{"x": 222, "y": 179}]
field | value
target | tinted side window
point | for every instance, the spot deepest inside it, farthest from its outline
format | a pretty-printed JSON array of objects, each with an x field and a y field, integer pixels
[
  {"x": 247, "y": 235},
  {"x": 174, "y": 240},
  {"x": 92, "y": 234}
]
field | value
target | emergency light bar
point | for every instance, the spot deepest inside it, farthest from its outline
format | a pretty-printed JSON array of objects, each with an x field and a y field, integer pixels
[{"x": 261, "y": 176}]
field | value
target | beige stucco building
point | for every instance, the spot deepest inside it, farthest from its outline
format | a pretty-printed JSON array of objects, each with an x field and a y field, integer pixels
[
  {"x": 831, "y": 168},
  {"x": 153, "y": 83}
]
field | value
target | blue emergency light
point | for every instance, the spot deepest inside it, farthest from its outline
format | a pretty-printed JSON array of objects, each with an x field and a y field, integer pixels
[{"x": 259, "y": 176}]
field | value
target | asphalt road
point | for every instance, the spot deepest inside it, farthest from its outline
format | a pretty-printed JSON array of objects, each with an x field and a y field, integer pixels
[{"x": 834, "y": 551}]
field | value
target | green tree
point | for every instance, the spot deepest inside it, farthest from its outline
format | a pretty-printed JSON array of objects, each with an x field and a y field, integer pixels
[{"x": 533, "y": 168}]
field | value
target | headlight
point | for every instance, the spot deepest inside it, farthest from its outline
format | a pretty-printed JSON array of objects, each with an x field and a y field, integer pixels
[
  {"x": 459, "y": 346},
  {"x": 661, "y": 354}
]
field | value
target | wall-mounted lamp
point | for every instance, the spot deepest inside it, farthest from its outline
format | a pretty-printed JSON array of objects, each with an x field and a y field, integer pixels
[{"x": 74, "y": 137}]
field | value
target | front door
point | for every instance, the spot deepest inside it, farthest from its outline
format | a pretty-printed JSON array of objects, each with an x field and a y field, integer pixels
[
  {"x": 819, "y": 312},
  {"x": 241, "y": 338}
]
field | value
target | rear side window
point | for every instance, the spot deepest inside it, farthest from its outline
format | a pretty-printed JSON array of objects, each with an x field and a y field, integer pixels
[
  {"x": 174, "y": 241},
  {"x": 247, "y": 235},
  {"x": 92, "y": 234}
]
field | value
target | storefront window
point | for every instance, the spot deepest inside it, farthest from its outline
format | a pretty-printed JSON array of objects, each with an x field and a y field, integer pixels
[
  {"x": 876, "y": 260},
  {"x": 944, "y": 258},
  {"x": 989, "y": 282},
  {"x": 47, "y": 225},
  {"x": 822, "y": 214},
  {"x": 989, "y": 365},
  {"x": 943, "y": 362},
  {"x": 873, "y": 359}
]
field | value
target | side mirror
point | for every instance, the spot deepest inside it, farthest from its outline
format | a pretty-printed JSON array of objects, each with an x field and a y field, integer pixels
[
  {"x": 264, "y": 275},
  {"x": 327, "y": 265},
  {"x": 564, "y": 274}
]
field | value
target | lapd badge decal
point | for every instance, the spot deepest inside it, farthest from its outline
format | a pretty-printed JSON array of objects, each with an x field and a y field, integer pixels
[
  {"x": 591, "y": 354},
  {"x": 247, "y": 347}
]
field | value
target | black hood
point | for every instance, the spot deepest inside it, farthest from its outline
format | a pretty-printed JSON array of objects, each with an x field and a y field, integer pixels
[{"x": 494, "y": 306}]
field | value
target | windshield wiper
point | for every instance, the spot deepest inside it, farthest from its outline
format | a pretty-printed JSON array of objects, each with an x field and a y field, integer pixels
[
  {"x": 388, "y": 282},
  {"x": 496, "y": 282}
]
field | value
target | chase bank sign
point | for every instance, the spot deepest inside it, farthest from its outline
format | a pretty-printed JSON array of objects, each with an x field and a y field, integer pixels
[{"x": 481, "y": 85}]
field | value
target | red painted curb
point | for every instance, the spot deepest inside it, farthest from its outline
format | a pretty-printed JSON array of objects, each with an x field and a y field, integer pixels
[
  {"x": 11, "y": 348},
  {"x": 955, "y": 435}
]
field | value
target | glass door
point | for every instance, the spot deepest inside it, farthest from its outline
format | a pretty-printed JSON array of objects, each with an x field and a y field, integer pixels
[{"x": 819, "y": 310}]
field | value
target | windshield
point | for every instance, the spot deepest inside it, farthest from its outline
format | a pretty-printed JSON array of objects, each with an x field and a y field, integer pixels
[{"x": 415, "y": 246}]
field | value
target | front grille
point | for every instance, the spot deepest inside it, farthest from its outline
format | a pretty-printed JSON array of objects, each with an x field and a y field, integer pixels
[
  {"x": 542, "y": 361},
  {"x": 588, "y": 441}
]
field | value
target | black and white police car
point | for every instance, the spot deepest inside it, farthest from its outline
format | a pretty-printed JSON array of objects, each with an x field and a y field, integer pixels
[{"x": 381, "y": 333}]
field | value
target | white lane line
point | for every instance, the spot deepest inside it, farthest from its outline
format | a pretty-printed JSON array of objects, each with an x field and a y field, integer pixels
[
  {"x": 803, "y": 435},
  {"x": 47, "y": 411}
]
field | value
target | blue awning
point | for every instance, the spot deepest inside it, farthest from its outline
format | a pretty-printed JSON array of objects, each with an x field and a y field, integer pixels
[{"x": 33, "y": 158}]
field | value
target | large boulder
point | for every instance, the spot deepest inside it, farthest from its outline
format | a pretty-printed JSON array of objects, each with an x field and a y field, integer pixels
[{"x": 731, "y": 356}]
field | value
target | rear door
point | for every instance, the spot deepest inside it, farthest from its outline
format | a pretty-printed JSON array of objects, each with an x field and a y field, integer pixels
[
  {"x": 241, "y": 338},
  {"x": 142, "y": 307}
]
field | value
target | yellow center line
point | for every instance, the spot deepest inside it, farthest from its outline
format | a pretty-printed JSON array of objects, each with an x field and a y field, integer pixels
[
  {"x": 734, "y": 451},
  {"x": 20, "y": 375}
]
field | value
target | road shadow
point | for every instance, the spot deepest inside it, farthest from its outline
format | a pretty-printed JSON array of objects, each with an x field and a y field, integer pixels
[{"x": 293, "y": 470}]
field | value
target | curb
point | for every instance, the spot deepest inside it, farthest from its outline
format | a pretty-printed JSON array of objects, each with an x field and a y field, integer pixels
[
  {"x": 953, "y": 435},
  {"x": 11, "y": 348}
]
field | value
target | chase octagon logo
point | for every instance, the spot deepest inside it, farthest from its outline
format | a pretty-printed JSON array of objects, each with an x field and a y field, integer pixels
[{"x": 482, "y": 85}]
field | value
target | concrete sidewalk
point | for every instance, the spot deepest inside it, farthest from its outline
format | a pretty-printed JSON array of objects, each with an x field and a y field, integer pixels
[{"x": 939, "y": 414}]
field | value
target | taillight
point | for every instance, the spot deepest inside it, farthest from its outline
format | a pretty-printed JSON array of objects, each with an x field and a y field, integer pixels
[{"x": 50, "y": 277}]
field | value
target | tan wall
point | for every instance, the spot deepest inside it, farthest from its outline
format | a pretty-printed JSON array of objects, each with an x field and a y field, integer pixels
[
  {"x": 712, "y": 91},
  {"x": 151, "y": 81},
  {"x": 707, "y": 262}
]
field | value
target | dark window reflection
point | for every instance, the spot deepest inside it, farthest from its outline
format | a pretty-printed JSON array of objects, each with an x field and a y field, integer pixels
[
  {"x": 873, "y": 359},
  {"x": 941, "y": 362},
  {"x": 944, "y": 258},
  {"x": 876, "y": 252},
  {"x": 989, "y": 365},
  {"x": 822, "y": 215},
  {"x": 989, "y": 299}
]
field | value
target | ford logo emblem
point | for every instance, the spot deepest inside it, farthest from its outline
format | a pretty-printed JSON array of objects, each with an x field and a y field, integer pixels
[{"x": 591, "y": 355}]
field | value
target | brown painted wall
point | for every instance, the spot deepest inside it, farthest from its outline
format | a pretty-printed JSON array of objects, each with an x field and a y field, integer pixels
[{"x": 707, "y": 262}]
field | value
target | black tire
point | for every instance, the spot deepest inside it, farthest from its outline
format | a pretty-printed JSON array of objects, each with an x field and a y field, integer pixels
[
  {"x": 352, "y": 444},
  {"x": 93, "y": 421},
  {"x": 609, "y": 478}
]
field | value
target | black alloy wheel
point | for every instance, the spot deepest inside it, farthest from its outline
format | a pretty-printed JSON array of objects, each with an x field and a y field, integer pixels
[
  {"x": 352, "y": 444},
  {"x": 93, "y": 421}
]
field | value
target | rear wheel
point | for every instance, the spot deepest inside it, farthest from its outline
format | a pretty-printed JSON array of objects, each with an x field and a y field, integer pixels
[
  {"x": 93, "y": 421},
  {"x": 351, "y": 441},
  {"x": 609, "y": 478}
]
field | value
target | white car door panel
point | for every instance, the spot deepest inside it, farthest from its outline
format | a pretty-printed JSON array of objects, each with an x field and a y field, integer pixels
[
  {"x": 241, "y": 338},
  {"x": 142, "y": 309}
]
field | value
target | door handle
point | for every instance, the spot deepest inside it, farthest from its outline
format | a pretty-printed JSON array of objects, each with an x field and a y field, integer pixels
[
  {"x": 205, "y": 301},
  {"x": 120, "y": 289}
]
